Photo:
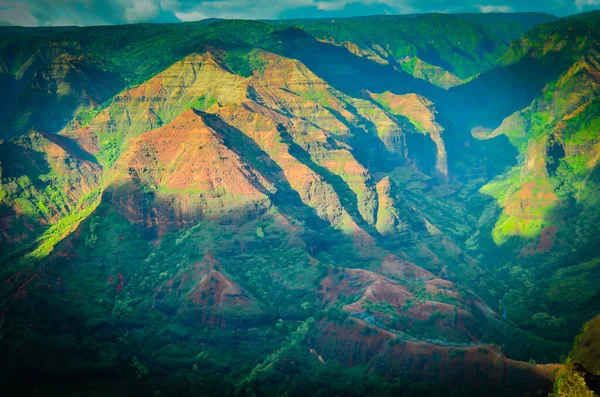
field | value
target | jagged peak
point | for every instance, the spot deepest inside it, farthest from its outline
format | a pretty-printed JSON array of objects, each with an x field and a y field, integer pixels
[
  {"x": 40, "y": 141},
  {"x": 186, "y": 73},
  {"x": 203, "y": 58},
  {"x": 189, "y": 153},
  {"x": 418, "y": 109},
  {"x": 282, "y": 70}
]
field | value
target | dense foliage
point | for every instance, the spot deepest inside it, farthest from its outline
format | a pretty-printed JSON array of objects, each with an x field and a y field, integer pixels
[{"x": 301, "y": 207}]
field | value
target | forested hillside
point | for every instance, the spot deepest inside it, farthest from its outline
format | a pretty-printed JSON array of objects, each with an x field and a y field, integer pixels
[{"x": 385, "y": 205}]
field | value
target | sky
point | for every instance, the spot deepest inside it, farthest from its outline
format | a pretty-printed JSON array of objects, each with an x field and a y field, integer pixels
[{"x": 110, "y": 12}]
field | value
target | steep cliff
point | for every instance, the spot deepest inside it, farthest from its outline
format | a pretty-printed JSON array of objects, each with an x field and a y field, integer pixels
[
  {"x": 545, "y": 203},
  {"x": 43, "y": 178},
  {"x": 581, "y": 374},
  {"x": 270, "y": 207}
]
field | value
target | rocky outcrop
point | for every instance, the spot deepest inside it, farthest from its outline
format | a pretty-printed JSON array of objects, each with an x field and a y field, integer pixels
[
  {"x": 581, "y": 374},
  {"x": 44, "y": 177},
  {"x": 157, "y": 102},
  {"x": 421, "y": 113},
  {"x": 186, "y": 165},
  {"x": 478, "y": 366},
  {"x": 392, "y": 303},
  {"x": 389, "y": 221},
  {"x": 52, "y": 86},
  {"x": 428, "y": 72},
  {"x": 203, "y": 292}
]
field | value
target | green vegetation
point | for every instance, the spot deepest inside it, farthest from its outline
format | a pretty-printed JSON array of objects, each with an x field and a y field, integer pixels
[
  {"x": 464, "y": 45},
  {"x": 43, "y": 181},
  {"x": 547, "y": 200},
  {"x": 204, "y": 102},
  {"x": 318, "y": 252},
  {"x": 576, "y": 378},
  {"x": 244, "y": 62}
]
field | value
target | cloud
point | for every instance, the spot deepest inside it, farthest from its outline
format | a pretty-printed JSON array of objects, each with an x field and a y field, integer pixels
[
  {"x": 330, "y": 5},
  {"x": 581, "y": 4},
  {"x": 104, "y": 12},
  {"x": 488, "y": 9},
  {"x": 190, "y": 16},
  {"x": 141, "y": 10},
  {"x": 82, "y": 12},
  {"x": 16, "y": 13}
]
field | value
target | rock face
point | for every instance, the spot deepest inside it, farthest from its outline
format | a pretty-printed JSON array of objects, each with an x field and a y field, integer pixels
[
  {"x": 43, "y": 178},
  {"x": 243, "y": 210},
  {"x": 187, "y": 164},
  {"x": 581, "y": 374},
  {"x": 50, "y": 87},
  {"x": 477, "y": 367},
  {"x": 389, "y": 220},
  {"x": 280, "y": 98},
  {"x": 421, "y": 113},
  {"x": 448, "y": 50},
  {"x": 187, "y": 154},
  {"x": 547, "y": 134},
  {"x": 195, "y": 80}
]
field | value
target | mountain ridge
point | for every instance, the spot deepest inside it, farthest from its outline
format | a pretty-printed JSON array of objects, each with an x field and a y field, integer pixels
[{"x": 237, "y": 208}]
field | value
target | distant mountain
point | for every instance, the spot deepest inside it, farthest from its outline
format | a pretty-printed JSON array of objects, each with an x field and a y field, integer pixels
[
  {"x": 444, "y": 49},
  {"x": 547, "y": 203},
  {"x": 400, "y": 205}
]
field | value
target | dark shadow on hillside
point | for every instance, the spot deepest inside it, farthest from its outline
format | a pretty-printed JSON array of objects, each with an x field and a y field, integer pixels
[
  {"x": 369, "y": 149},
  {"x": 485, "y": 103},
  {"x": 495, "y": 95},
  {"x": 286, "y": 198},
  {"x": 422, "y": 152},
  {"x": 544, "y": 271},
  {"x": 17, "y": 161},
  {"x": 347, "y": 72},
  {"x": 36, "y": 101},
  {"x": 470, "y": 158},
  {"x": 433, "y": 57},
  {"x": 347, "y": 196}
]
